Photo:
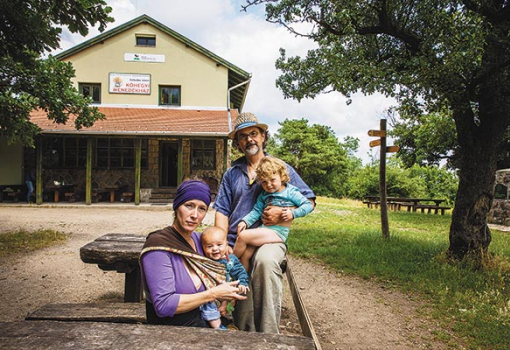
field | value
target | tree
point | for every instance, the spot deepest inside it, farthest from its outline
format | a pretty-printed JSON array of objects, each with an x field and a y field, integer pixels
[
  {"x": 432, "y": 55},
  {"x": 28, "y": 30},
  {"x": 314, "y": 152}
]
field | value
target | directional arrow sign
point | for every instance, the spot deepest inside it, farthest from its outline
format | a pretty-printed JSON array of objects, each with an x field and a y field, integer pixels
[
  {"x": 392, "y": 149},
  {"x": 375, "y": 143},
  {"x": 377, "y": 133}
]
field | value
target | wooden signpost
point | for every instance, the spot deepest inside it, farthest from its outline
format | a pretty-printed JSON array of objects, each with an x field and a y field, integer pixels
[{"x": 382, "y": 172}]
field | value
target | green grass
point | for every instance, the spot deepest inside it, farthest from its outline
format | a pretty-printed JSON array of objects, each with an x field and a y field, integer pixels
[
  {"x": 473, "y": 305},
  {"x": 24, "y": 241}
]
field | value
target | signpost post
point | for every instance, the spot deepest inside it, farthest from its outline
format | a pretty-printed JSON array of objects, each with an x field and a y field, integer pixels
[{"x": 382, "y": 172}]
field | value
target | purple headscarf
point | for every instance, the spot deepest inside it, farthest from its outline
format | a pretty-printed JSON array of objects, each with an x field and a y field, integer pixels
[{"x": 190, "y": 190}]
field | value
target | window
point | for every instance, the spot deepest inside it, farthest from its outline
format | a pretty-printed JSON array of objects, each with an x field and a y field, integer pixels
[
  {"x": 145, "y": 40},
  {"x": 170, "y": 95},
  {"x": 64, "y": 152},
  {"x": 203, "y": 154},
  {"x": 91, "y": 90},
  {"x": 117, "y": 153}
]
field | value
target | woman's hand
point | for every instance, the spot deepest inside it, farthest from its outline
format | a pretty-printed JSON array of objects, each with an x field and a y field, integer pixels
[{"x": 227, "y": 291}]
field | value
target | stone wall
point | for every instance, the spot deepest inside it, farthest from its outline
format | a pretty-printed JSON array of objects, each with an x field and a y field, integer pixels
[{"x": 500, "y": 211}]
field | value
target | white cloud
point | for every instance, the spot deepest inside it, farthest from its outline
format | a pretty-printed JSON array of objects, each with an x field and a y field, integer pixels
[{"x": 248, "y": 41}]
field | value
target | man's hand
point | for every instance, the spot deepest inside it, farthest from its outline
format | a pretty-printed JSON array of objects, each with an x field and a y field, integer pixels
[{"x": 272, "y": 215}]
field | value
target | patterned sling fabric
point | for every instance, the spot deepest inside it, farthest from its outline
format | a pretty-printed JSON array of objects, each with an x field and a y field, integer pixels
[{"x": 210, "y": 272}]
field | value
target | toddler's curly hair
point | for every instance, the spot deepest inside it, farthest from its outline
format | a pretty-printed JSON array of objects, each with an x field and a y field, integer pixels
[{"x": 269, "y": 166}]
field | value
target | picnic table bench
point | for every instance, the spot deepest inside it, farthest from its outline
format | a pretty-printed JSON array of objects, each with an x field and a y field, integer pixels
[
  {"x": 55, "y": 335},
  {"x": 410, "y": 204},
  {"x": 118, "y": 252}
]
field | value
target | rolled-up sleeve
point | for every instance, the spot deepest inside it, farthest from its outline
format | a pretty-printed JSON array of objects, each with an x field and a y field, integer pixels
[{"x": 160, "y": 282}]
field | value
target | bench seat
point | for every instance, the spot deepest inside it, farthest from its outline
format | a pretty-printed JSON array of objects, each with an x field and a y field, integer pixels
[
  {"x": 430, "y": 207},
  {"x": 91, "y": 312}
]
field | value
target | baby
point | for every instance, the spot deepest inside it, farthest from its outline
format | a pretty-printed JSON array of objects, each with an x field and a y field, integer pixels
[{"x": 214, "y": 243}]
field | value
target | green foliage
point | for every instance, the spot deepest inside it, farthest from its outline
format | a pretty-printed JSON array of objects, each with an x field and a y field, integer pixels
[
  {"x": 417, "y": 181},
  {"x": 29, "y": 30},
  {"x": 425, "y": 139},
  {"x": 470, "y": 304},
  {"x": 314, "y": 152},
  {"x": 24, "y": 241}
]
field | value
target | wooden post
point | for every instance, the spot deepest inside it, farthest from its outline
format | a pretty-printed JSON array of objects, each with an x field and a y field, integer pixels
[
  {"x": 38, "y": 171},
  {"x": 138, "y": 169},
  {"x": 88, "y": 173},
  {"x": 382, "y": 172},
  {"x": 382, "y": 183}
]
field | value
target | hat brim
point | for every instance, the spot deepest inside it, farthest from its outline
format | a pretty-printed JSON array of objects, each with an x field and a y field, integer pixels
[{"x": 232, "y": 134}]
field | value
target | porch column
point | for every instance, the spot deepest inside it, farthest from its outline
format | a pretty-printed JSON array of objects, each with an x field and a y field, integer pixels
[
  {"x": 225, "y": 155},
  {"x": 88, "y": 173},
  {"x": 138, "y": 169},
  {"x": 38, "y": 171},
  {"x": 179, "y": 162}
]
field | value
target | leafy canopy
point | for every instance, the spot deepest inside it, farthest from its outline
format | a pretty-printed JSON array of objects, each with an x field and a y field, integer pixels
[
  {"x": 30, "y": 29},
  {"x": 314, "y": 152}
]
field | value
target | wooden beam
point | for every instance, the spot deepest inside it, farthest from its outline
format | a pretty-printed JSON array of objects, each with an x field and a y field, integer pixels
[
  {"x": 304, "y": 318},
  {"x": 138, "y": 169},
  {"x": 88, "y": 173}
]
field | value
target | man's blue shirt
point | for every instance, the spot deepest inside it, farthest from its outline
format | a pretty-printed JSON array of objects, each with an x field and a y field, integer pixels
[{"x": 236, "y": 197}]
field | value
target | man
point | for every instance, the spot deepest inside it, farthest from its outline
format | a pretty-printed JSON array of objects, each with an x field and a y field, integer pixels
[{"x": 236, "y": 197}]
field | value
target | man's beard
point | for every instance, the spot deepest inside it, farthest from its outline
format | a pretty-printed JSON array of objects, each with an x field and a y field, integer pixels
[{"x": 251, "y": 150}]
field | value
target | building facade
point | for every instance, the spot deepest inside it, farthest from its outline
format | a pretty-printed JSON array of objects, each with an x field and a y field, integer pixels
[{"x": 168, "y": 104}]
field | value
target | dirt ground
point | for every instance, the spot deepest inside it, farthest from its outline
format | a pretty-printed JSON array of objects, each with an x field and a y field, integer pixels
[{"x": 347, "y": 312}]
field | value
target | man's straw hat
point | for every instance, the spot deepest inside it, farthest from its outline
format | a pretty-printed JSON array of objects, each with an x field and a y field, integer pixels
[{"x": 243, "y": 121}]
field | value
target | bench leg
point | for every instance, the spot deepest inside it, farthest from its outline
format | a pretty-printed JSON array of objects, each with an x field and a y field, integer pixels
[{"x": 133, "y": 291}]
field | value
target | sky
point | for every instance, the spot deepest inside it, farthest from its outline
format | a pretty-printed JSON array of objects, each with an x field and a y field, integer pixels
[{"x": 245, "y": 39}]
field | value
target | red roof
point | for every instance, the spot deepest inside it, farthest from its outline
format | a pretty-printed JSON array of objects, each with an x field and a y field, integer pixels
[{"x": 152, "y": 121}]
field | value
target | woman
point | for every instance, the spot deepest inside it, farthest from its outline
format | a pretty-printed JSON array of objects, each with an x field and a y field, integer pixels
[{"x": 174, "y": 271}]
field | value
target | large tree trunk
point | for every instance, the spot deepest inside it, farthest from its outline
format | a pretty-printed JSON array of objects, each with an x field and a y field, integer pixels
[
  {"x": 479, "y": 135},
  {"x": 469, "y": 232}
]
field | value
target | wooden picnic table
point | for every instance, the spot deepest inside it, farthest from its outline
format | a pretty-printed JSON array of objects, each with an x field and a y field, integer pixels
[
  {"x": 57, "y": 189},
  {"x": 412, "y": 204},
  {"x": 118, "y": 252},
  {"x": 55, "y": 335}
]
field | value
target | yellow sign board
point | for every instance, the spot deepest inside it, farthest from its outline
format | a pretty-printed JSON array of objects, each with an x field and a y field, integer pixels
[
  {"x": 377, "y": 133},
  {"x": 375, "y": 143}
]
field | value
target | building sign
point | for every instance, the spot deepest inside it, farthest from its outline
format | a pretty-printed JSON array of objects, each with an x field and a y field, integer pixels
[
  {"x": 125, "y": 83},
  {"x": 142, "y": 57}
]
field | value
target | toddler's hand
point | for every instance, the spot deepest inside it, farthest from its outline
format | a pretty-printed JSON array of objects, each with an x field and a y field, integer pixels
[
  {"x": 287, "y": 214},
  {"x": 241, "y": 226}
]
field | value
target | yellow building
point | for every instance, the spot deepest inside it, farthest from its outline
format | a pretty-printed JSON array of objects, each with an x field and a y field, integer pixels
[{"x": 168, "y": 104}]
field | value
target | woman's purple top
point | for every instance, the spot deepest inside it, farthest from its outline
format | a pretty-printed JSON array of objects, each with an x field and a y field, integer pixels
[{"x": 166, "y": 278}]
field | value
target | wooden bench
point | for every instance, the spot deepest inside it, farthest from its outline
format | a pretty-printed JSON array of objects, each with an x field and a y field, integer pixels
[
  {"x": 91, "y": 312},
  {"x": 431, "y": 207},
  {"x": 126, "y": 197},
  {"x": 372, "y": 204},
  {"x": 55, "y": 335}
]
